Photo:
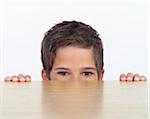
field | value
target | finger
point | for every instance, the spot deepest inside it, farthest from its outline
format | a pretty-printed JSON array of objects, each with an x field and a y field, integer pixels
[
  {"x": 123, "y": 77},
  {"x": 129, "y": 76},
  {"x": 20, "y": 75},
  {"x": 143, "y": 78},
  {"x": 7, "y": 79},
  {"x": 14, "y": 79},
  {"x": 136, "y": 77},
  {"x": 28, "y": 78},
  {"x": 22, "y": 79}
]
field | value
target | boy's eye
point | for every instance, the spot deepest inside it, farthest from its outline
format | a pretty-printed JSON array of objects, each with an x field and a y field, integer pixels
[
  {"x": 63, "y": 73},
  {"x": 87, "y": 73}
]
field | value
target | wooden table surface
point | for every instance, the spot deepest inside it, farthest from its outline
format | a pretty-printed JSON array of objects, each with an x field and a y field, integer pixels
[{"x": 74, "y": 100}]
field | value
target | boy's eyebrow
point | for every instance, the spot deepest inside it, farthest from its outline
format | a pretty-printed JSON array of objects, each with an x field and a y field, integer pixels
[
  {"x": 84, "y": 68},
  {"x": 89, "y": 68},
  {"x": 61, "y": 68}
]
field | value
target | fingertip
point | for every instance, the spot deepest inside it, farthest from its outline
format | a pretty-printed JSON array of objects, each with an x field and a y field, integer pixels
[
  {"x": 14, "y": 79},
  {"x": 123, "y": 77},
  {"x": 136, "y": 77},
  {"x": 143, "y": 78},
  {"x": 129, "y": 76},
  {"x": 22, "y": 79},
  {"x": 7, "y": 79},
  {"x": 28, "y": 78}
]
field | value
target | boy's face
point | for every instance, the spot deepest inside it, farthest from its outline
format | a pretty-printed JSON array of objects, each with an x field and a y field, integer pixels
[{"x": 74, "y": 63}]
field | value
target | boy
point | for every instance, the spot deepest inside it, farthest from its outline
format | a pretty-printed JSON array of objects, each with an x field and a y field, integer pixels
[{"x": 72, "y": 50}]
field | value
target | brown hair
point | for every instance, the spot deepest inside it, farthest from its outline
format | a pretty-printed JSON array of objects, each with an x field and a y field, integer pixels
[{"x": 70, "y": 33}]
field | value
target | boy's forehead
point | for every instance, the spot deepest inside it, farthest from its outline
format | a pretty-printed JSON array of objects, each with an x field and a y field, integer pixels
[
  {"x": 73, "y": 50},
  {"x": 76, "y": 55}
]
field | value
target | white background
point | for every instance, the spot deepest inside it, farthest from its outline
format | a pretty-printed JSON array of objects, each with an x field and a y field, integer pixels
[{"x": 123, "y": 27}]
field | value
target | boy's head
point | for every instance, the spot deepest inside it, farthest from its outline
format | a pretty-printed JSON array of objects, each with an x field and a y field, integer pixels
[{"x": 72, "y": 49}]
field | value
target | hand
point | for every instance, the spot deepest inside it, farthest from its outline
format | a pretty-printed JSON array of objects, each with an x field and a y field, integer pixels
[
  {"x": 132, "y": 77},
  {"x": 18, "y": 78}
]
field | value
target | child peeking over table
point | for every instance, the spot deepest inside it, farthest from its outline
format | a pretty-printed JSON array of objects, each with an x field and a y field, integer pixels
[{"x": 72, "y": 50}]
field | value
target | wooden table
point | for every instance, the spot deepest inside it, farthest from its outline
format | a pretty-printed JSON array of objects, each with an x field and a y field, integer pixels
[{"x": 74, "y": 100}]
